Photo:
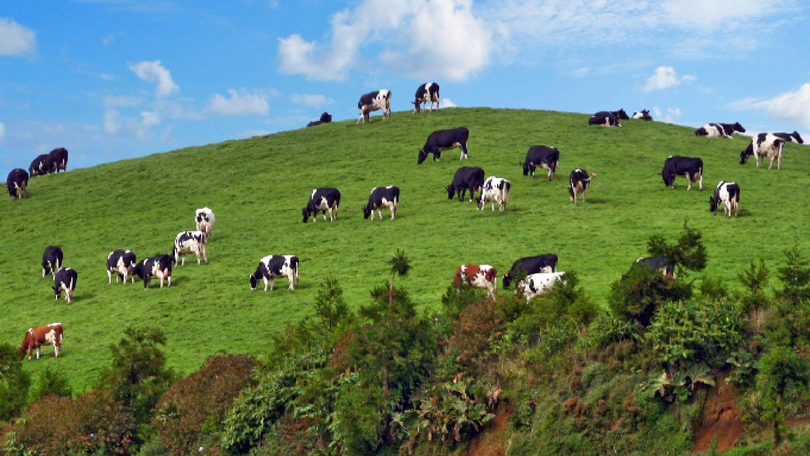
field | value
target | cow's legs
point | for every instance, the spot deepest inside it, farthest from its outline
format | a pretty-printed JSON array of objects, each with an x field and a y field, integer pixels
[
  {"x": 205, "y": 255},
  {"x": 55, "y": 351},
  {"x": 38, "y": 352},
  {"x": 380, "y": 211},
  {"x": 291, "y": 278},
  {"x": 169, "y": 273},
  {"x": 393, "y": 211},
  {"x": 266, "y": 282},
  {"x": 689, "y": 182},
  {"x": 700, "y": 182},
  {"x": 272, "y": 282}
]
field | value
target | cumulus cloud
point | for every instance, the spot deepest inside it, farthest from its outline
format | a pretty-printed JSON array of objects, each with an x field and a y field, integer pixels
[
  {"x": 447, "y": 103},
  {"x": 665, "y": 77},
  {"x": 155, "y": 72},
  {"x": 15, "y": 39},
  {"x": 239, "y": 104},
  {"x": 313, "y": 101},
  {"x": 115, "y": 123},
  {"x": 2, "y": 130},
  {"x": 789, "y": 106}
]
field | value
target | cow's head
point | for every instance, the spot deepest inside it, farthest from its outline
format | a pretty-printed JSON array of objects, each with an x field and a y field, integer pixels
[
  {"x": 749, "y": 151},
  {"x": 668, "y": 178},
  {"x": 12, "y": 191},
  {"x": 57, "y": 291},
  {"x": 700, "y": 132},
  {"x": 253, "y": 282},
  {"x": 451, "y": 191},
  {"x": 621, "y": 114},
  {"x": 525, "y": 168},
  {"x": 416, "y": 106},
  {"x": 738, "y": 127},
  {"x": 367, "y": 210},
  {"x": 325, "y": 117},
  {"x": 422, "y": 156},
  {"x": 713, "y": 205},
  {"x": 305, "y": 213},
  {"x": 797, "y": 137}
]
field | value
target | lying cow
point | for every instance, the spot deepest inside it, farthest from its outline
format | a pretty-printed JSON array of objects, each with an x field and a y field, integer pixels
[
  {"x": 273, "y": 266},
  {"x": 382, "y": 197},
  {"x": 466, "y": 178},
  {"x": 51, "y": 260},
  {"x": 205, "y": 220},
  {"x": 325, "y": 118},
  {"x": 426, "y": 93},
  {"x": 65, "y": 280},
  {"x": 495, "y": 189},
  {"x": 58, "y": 159},
  {"x": 40, "y": 166},
  {"x": 727, "y": 194},
  {"x": 689, "y": 167},
  {"x": 42, "y": 335},
  {"x": 189, "y": 242},
  {"x": 719, "y": 130},
  {"x": 531, "y": 265},
  {"x": 443, "y": 140},
  {"x": 16, "y": 183},
  {"x": 578, "y": 183},
  {"x": 793, "y": 137},
  {"x": 322, "y": 199},
  {"x": 543, "y": 157},
  {"x": 764, "y": 145},
  {"x": 481, "y": 276},
  {"x": 159, "y": 266},
  {"x": 374, "y": 101},
  {"x": 121, "y": 263},
  {"x": 605, "y": 119},
  {"x": 540, "y": 284},
  {"x": 643, "y": 115}
]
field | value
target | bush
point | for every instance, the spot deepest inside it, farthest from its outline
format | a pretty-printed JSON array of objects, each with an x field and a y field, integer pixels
[
  {"x": 637, "y": 297},
  {"x": 795, "y": 277},
  {"x": 14, "y": 383},
  {"x": 52, "y": 381}
]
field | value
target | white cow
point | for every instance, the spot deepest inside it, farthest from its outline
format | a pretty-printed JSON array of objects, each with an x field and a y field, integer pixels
[
  {"x": 539, "y": 284},
  {"x": 374, "y": 101},
  {"x": 495, "y": 189},
  {"x": 204, "y": 218}
]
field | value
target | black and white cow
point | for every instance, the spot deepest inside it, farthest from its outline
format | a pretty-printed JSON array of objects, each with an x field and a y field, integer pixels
[
  {"x": 205, "y": 220},
  {"x": 40, "y": 166},
  {"x": 16, "y": 183},
  {"x": 764, "y": 145},
  {"x": 374, "y": 101},
  {"x": 540, "y": 284},
  {"x": 793, "y": 137},
  {"x": 65, "y": 280},
  {"x": 58, "y": 159},
  {"x": 159, "y": 266},
  {"x": 578, "y": 182},
  {"x": 661, "y": 263},
  {"x": 322, "y": 199},
  {"x": 495, "y": 189},
  {"x": 542, "y": 156},
  {"x": 689, "y": 167},
  {"x": 325, "y": 118},
  {"x": 643, "y": 115},
  {"x": 382, "y": 197},
  {"x": 121, "y": 263},
  {"x": 466, "y": 178},
  {"x": 531, "y": 265},
  {"x": 719, "y": 130},
  {"x": 442, "y": 140},
  {"x": 189, "y": 242},
  {"x": 426, "y": 93},
  {"x": 51, "y": 260},
  {"x": 727, "y": 194},
  {"x": 605, "y": 119},
  {"x": 273, "y": 266}
]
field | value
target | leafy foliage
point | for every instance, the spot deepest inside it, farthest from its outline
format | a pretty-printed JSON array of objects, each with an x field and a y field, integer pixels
[
  {"x": 795, "y": 277},
  {"x": 14, "y": 383},
  {"x": 689, "y": 254},
  {"x": 781, "y": 373},
  {"x": 52, "y": 381},
  {"x": 330, "y": 307},
  {"x": 637, "y": 297}
]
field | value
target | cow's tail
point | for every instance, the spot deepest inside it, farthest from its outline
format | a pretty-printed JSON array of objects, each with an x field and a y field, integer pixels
[
  {"x": 506, "y": 187},
  {"x": 297, "y": 280}
]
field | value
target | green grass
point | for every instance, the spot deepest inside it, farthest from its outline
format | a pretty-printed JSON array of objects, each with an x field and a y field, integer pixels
[{"x": 258, "y": 186}]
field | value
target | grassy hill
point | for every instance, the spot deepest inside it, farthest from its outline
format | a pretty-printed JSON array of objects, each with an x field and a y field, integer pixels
[{"x": 258, "y": 186}]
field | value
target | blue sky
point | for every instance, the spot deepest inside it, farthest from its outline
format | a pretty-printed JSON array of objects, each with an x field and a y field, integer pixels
[{"x": 116, "y": 79}]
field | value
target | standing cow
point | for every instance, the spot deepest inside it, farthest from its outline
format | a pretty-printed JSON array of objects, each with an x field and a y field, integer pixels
[
  {"x": 719, "y": 130},
  {"x": 764, "y": 145},
  {"x": 42, "y": 335},
  {"x": 273, "y": 266},
  {"x": 466, "y": 178},
  {"x": 65, "y": 280},
  {"x": 121, "y": 263},
  {"x": 58, "y": 159},
  {"x": 16, "y": 183},
  {"x": 374, "y": 101},
  {"x": 540, "y": 284},
  {"x": 606, "y": 119},
  {"x": 204, "y": 218},
  {"x": 51, "y": 260},
  {"x": 159, "y": 266},
  {"x": 531, "y": 265},
  {"x": 481, "y": 276},
  {"x": 542, "y": 156},
  {"x": 325, "y": 118},
  {"x": 189, "y": 242},
  {"x": 322, "y": 199},
  {"x": 727, "y": 194},
  {"x": 443, "y": 140},
  {"x": 578, "y": 183},
  {"x": 382, "y": 197},
  {"x": 426, "y": 93},
  {"x": 40, "y": 166},
  {"x": 689, "y": 167},
  {"x": 495, "y": 189}
]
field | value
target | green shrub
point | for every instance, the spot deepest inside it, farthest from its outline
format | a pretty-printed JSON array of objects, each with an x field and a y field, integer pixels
[
  {"x": 359, "y": 414},
  {"x": 795, "y": 277},
  {"x": 783, "y": 377},
  {"x": 52, "y": 381},
  {"x": 14, "y": 383},
  {"x": 713, "y": 289},
  {"x": 637, "y": 297}
]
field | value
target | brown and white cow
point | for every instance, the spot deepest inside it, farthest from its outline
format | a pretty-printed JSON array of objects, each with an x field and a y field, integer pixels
[
  {"x": 477, "y": 276},
  {"x": 42, "y": 335}
]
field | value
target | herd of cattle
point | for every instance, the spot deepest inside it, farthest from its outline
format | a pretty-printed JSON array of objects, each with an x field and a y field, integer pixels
[{"x": 539, "y": 272}]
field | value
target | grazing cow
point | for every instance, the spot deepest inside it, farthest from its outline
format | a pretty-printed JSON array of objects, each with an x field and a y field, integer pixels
[
  {"x": 658, "y": 263},
  {"x": 204, "y": 218},
  {"x": 481, "y": 276},
  {"x": 322, "y": 199},
  {"x": 325, "y": 118},
  {"x": 189, "y": 242},
  {"x": 643, "y": 115},
  {"x": 689, "y": 167},
  {"x": 382, "y": 197},
  {"x": 542, "y": 156},
  {"x": 40, "y": 166},
  {"x": 719, "y": 130},
  {"x": 65, "y": 280},
  {"x": 466, "y": 178},
  {"x": 58, "y": 159},
  {"x": 159, "y": 266},
  {"x": 531, "y": 265},
  {"x": 578, "y": 183},
  {"x": 442, "y": 140},
  {"x": 495, "y": 189},
  {"x": 374, "y": 101},
  {"x": 426, "y": 93},
  {"x": 764, "y": 145},
  {"x": 51, "y": 260},
  {"x": 273, "y": 266},
  {"x": 539, "y": 284},
  {"x": 42, "y": 335},
  {"x": 121, "y": 263},
  {"x": 16, "y": 183},
  {"x": 793, "y": 137},
  {"x": 605, "y": 119},
  {"x": 727, "y": 193}
]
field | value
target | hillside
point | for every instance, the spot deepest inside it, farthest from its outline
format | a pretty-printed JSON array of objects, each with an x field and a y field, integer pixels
[{"x": 258, "y": 186}]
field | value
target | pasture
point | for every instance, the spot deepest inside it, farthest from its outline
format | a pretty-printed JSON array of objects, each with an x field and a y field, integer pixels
[{"x": 258, "y": 186}]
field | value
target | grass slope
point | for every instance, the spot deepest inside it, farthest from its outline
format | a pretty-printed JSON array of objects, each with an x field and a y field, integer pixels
[{"x": 258, "y": 186}]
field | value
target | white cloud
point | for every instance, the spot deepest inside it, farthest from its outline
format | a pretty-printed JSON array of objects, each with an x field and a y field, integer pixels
[
  {"x": 674, "y": 111},
  {"x": 108, "y": 40},
  {"x": 447, "y": 103},
  {"x": 2, "y": 130},
  {"x": 700, "y": 14},
  {"x": 155, "y": 72},
  {"x": 311, "y": 100},
  {"x": 665, "y": 77},
  {"x": 793, "y": 107},
  {"x": 243, "y": 104},
  {"x": 115, "y": 123},
  {"x": 15, "y": 39},
  {"x": 122, "y": 101},
  {"x": 656, "y": 111}
]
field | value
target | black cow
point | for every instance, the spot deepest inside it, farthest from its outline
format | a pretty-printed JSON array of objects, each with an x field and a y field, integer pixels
[
  {"x": 794, "y": 137},
  {"x": 578, "y": 182},
  {"x": 65, "y": 280},
  {"x": 322, "y": 199},
  {"x": 727, "y": 194},
  {"x": 466, "y": 178},
  {"x": 445, "y": 139},
  {"x": 620, "y": 114},
  {"x": 542, "y": 156},
  {"x": 382, "y": 197},
  {"x": 58, "y": 159},
  {"x": 426, "y": 93},
  {"x": 16, "y": 183},
  {"x": 121, "y": 263},
  {"x": 325, "y": 118},
  {"x": 532, "y": 265},
  {"x": 643, "y": 115},
  {"x": 719, "y": 130},
  {"x": 273, "y": 266},
  {"x": 606, "y": 119},
  {"x": 159, "y": 266},
  {"x": 51, "y": 260},
  {"x": 658, "y": 263},
  {"x": 689, "y": 167},
  {"x": 40, "y": 166}
]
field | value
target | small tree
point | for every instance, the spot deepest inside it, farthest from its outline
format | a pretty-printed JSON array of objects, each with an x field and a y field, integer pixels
[
  {"x": 781, "y": 371},
  {"x": 52, "y": 381},
  {"x": 14, "y": 383},
  {"x": 400, "y": 265},
  {"x": 755, "y": 278},
  {"x": 795, "y": 277},
  {"x": 330, "y": 308},
  {"x": 689, "y": 254}
]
